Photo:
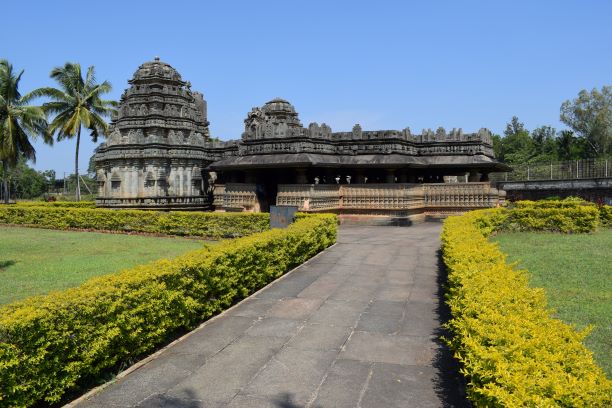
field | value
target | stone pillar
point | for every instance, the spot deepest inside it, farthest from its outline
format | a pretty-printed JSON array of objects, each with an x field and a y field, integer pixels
[
  {"x": 390, "y": 176},
  {"x": 300, "y": 177},
  {"x": 190, "y": 188},
  {"x": 124, "y": 187},
  {"x": 474, "y": 176},
  {"x": 140, "y": 176}
]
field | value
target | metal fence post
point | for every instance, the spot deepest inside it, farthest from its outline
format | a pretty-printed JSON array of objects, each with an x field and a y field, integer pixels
[
  {"x": 576, "y": 168},
  {"x": 551, "y": 171}
]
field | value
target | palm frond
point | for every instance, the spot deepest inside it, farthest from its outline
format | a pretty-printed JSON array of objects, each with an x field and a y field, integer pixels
[
  {"x": 90, "y": 79},
  {"x": 19, "y": 121},
  {"x": 53, "y": 108}
]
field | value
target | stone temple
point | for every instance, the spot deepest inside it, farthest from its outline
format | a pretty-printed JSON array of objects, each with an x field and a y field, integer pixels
[{"x": 159, "y": 155}]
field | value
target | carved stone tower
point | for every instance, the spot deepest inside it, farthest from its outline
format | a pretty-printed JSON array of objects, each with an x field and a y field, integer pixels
[{"x": 155, "y": 152}]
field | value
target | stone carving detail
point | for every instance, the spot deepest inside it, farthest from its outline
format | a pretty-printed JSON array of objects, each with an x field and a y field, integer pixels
[
  {"x": 237, "y": 196},
  {"x": 396, "y": 197}
]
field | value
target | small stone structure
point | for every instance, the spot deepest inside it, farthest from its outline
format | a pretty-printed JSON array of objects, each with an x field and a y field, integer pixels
[{"x": 159, "y": 155}]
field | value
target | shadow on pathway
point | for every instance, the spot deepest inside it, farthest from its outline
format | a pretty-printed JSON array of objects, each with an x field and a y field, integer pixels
[{"x": 450, "y": 384}]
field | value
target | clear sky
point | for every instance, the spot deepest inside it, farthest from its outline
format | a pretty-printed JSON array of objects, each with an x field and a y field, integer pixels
[{"x": 383, "y": 64}]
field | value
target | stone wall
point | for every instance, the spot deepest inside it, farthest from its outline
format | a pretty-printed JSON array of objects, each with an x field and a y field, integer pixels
[
  {"x": 595, "y": 189},
  {"x": 400, "y": 199}
]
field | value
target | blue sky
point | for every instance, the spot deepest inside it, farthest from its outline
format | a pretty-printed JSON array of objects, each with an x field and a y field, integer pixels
[{"x": 383, "y": 64}]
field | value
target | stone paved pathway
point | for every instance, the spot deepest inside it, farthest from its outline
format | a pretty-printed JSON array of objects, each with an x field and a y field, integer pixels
[{"x": 355, "y": 327}]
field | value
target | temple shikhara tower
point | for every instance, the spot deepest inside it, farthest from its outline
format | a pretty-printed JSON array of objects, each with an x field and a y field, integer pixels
[
  {"x": 159, "y": 155},
  {"x": 155, "y": 153}
]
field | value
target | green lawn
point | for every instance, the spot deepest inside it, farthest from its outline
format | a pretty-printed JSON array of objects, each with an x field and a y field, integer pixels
[
  {"x": 576, "y": 272},
  {"x": 35, "y": 261}
]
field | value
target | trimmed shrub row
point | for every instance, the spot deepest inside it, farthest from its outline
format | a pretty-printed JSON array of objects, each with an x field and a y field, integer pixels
[
  {"x": 49, "y": 343},
  {"x": 512, "y": 351},
  {"x": 210, "y": 225},
  {"x": 569, "y": 215},
  {"x": 566, "y": 219}
]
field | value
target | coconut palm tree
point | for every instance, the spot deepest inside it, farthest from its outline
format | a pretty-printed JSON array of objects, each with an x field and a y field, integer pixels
[
  {"x": 77, "y": 104},
  {"x": 19, "y": 122}
]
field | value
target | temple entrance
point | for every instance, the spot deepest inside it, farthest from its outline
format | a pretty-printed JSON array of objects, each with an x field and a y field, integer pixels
[
  {"x": 266, "y": 195},
  {"x": 266, "y": 189}
]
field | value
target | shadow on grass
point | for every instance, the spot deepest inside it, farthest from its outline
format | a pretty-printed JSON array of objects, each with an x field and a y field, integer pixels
[
  {"x": 450, "y": 384},
  {"x": 6, "y": 264}
]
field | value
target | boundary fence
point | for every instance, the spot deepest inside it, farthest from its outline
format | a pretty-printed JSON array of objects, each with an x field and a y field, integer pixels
[{"x": 567, "y": 170}]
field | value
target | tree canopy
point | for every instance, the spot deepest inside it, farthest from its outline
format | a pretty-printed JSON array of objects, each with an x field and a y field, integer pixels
[
  {"x": 19, "y": 122},
  {"x": 77, "y": 103},
  {"x": 590, "y": 117}
]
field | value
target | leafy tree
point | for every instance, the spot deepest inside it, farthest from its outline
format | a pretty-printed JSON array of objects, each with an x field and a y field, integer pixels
[
  {"x": 570, "y": 147},
  {"x": 498, "y": 145},
  {"x": 19, "y": 122},
  {"x": 544, "y": 144},
  {"x": 517, "y": 146},
  {"x": 24, "y": 181},
  {"x": 514, "y": 127},
  {"x": 76, "y": 104},
  {"x": 590, "y": 117}
]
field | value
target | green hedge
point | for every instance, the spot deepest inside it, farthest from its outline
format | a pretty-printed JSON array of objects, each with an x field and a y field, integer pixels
[
  {"x": 577, "y": 219},
  {"x": 49, "y": 343},
  {"x": 210, "y": 225},
  {"x": 565, "y": 203},
  {"x": 571, "y": 214},
  {"x": 605, "y": 215},
  {"x": 513, "y": 353}
]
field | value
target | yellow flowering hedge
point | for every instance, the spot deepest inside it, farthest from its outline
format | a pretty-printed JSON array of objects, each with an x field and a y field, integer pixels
[
  {"x": 605, "y": 215},
  {"x": 49, "y": 343},
  {"x": 557, "y": 216},
  {"x": 206, "y": 224},
  {"x": 513, "y": 353}
]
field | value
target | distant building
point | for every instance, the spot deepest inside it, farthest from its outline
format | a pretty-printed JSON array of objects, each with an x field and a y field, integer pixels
[{"x": 159, "y": 155}]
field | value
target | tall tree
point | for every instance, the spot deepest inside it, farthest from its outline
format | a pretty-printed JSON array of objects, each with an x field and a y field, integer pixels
[
  {"x": 544, "y": 144},
  {"x": 516, "y": 146},
  {"x": 19, "y": 122},
  {"x": 77, "y": 104},
  {"x": 590, "y": 117},
  {"x": 567, "y": 145}
]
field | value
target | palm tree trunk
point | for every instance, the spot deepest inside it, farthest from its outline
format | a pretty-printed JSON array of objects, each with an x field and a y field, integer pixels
[
  {"x": 5, "y": 181},
  {"x": 76, "y": 167}
]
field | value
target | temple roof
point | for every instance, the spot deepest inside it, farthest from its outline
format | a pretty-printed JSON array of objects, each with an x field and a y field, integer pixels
[
  {"x": 365, "y": 160},
  {"x": 156, "y": 69}
]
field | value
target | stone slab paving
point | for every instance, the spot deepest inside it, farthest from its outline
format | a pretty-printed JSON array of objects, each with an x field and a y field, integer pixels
[{"x": 357, "y": 326}]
